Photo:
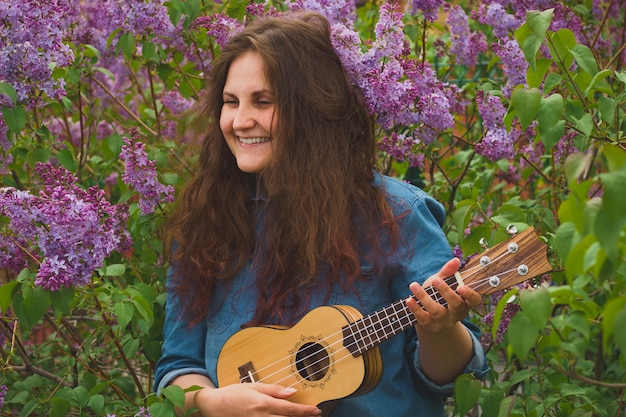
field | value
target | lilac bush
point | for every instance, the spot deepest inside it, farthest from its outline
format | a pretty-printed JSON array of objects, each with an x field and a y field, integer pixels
[{"x": 508, "y": 112}]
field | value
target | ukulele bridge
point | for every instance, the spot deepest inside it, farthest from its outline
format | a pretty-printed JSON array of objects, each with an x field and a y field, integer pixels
[{"x": 247, "y": 373}]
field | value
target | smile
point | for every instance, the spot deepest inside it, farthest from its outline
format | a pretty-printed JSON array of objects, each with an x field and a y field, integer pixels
[{"x": 252, "y": 141}]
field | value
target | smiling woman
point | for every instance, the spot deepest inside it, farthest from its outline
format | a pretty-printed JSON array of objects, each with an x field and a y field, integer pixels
[
  {"x": 247, "y": 120},
  {"x": 287, "y": 212}
]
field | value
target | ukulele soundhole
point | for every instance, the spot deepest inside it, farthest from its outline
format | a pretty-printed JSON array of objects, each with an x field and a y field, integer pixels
[{"x": 312, "y": 361}]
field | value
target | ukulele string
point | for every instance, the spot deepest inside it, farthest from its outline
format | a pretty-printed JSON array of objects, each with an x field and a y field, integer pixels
[{"x": 404, "y": 310}]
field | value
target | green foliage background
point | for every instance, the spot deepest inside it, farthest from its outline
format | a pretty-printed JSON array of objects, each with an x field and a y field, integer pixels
[{"x": 91, "y": 350}]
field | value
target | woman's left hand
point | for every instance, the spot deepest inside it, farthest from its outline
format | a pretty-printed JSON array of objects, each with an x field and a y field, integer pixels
[{"x": 434, "y": 317}]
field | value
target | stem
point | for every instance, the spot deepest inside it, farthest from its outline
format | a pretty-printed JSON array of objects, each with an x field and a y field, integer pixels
[
  {"x": 124, "y": 106},
  {"x": 120, "y": 349},
  {"x": 591, "y": 381},
  {"x": 82, "y": 151},
  {"x": 153, "y": 97}
]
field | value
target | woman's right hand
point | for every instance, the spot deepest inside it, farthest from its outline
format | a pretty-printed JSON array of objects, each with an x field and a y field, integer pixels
[{"x": 250, "y": 400}]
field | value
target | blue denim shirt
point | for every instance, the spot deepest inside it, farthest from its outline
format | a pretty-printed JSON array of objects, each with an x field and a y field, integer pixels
[{"x": 403, "y": 390}]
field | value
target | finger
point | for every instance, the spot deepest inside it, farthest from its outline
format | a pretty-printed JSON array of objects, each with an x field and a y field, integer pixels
[
  {"x": 274, "y": 390},
  {"x": 451, "y": 297},
  {"x": 471, "y": 297}
]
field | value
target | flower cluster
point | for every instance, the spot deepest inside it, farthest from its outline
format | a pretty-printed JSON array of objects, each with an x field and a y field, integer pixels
[
  {"x": 510, "y": 310},
  {"x": 3, "y": 394},
  {"x": 465, "y": 45},
  {"x": 219, "y": 26},
  {"x": 429, "y": 8},
  {"x": 514, "y": 64},
  {"x": 31, "y": 45},
  {"x": 140, "y": 173},
  {"x": 497, "y": 143},
  {"x": 67, "y": 230},
  {"x": 398, "y": 90}
]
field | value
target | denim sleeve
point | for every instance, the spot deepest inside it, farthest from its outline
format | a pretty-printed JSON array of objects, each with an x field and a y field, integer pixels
[
  {"x": 431, "y": 251},
  {"x": 477, "y": 365},
  {"x": 183, "y": 344}
]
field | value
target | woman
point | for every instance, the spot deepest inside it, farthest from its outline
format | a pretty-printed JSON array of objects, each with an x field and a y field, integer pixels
[{"x": 287, "y": 213}]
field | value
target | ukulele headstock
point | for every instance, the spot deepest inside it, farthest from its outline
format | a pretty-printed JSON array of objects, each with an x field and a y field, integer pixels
[{"x": 518, "y": 259}]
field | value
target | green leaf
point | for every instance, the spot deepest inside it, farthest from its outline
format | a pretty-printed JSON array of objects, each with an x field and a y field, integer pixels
[
  {"x": 607, "y": 109},
  {"x": 62, "y": 299},
  {"x": 175, "y": 394},
  {"x": 6, "y": 88},
  {"x": 562, "y": 41},
  {"x": 612, "y": 317},
  {"x": 91, "y": 51},
  {"x": 618, "y": 330},
  {"x": 584, "y": 124},
  {"x": 28, "y": 408},
  {"x": 491, "y": 400},
  {"x": 35, "y": 304},
  {"x": 463, "y": 213},
  {"x": 164, "y": 409},
  {"x": 96, "y": 403},
  {"x": 59, "y": 407},
  {"x": 114, "y": 270},
  {"x": 124, "y": 313},
  {"x": 539, "y": 22},
  {"x": 585, "y": 59},
  {"x": 14, "y": 118},
  {"x": 522, "y": 335},
  {"x": 526, "y": 103},
  {"x": 66, "y": 159},
  {"x": 127, "y": 43},
  {"x": 551, "y": 126},
  {"x": 6, "y": 294},
  {"x": 535, "y": 76},
  {"x": 552, "y": 135},
  {"x": 466, "y": 393},
  {"x": 81, "y": 395},
  {"x": 536, "y": 305},
  {"x": 595, "y": 80},
  {"x": 550, "y": 110}
]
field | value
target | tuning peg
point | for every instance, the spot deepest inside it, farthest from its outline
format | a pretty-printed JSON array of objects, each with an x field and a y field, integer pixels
[
  {"x": 511, "y": 229},
  {"x": 483, "y": 243}
]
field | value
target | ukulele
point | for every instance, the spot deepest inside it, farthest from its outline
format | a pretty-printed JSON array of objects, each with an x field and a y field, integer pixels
[{"x": 332, "y": 352}]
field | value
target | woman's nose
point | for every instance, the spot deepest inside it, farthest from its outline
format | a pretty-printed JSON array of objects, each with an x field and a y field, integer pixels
[{"x": 244, "y": 118}]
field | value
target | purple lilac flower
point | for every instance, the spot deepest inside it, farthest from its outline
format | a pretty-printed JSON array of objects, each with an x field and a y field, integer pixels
[
  {"x": 67, "y": 230},
  {"x": 219, "y": 26},
  {"x": 143, "y": 412},
  {"x": 261, "y": 9},
  {"x": 31, "y": 44},
  {"x": 336, "y": 11},
  {"x": 5, "y": 145},
  {"x": 564, "y": 147},
  {"x": 403, "y": 147},
  {"x": 497, "y": 143},
  {"x": 491, "y": 110},
  {"x": 435, "y": 111},
  {"x": 496, "y": 16},
  {"x": 430, "y": 8},
  {"x": 509, "y": 312},
  {"x": 3, "y": 394},
  {"x": 466, "y": 45},
  {"x": 514, "y": 64},
  {"x": 141, "y": 174}
]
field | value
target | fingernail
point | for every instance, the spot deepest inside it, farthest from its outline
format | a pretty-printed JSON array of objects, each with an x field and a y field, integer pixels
[{"x": 290, "y": 390}]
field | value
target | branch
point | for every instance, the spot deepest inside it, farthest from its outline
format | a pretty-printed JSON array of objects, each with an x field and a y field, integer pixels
[{"x": 594, "y": 382}]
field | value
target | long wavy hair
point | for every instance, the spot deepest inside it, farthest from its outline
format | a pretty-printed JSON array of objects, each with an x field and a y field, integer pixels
[{"x": 318, "y": 215}]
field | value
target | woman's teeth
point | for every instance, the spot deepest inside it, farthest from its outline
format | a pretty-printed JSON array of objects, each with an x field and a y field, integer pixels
[{"x": 251, "y": 141}]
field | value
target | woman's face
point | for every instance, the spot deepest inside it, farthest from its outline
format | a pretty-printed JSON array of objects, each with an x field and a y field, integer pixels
[{"x": 247, "y": 119}]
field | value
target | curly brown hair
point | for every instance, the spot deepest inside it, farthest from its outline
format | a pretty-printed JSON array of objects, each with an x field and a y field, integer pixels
[{"x": 318, "y": 204}]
